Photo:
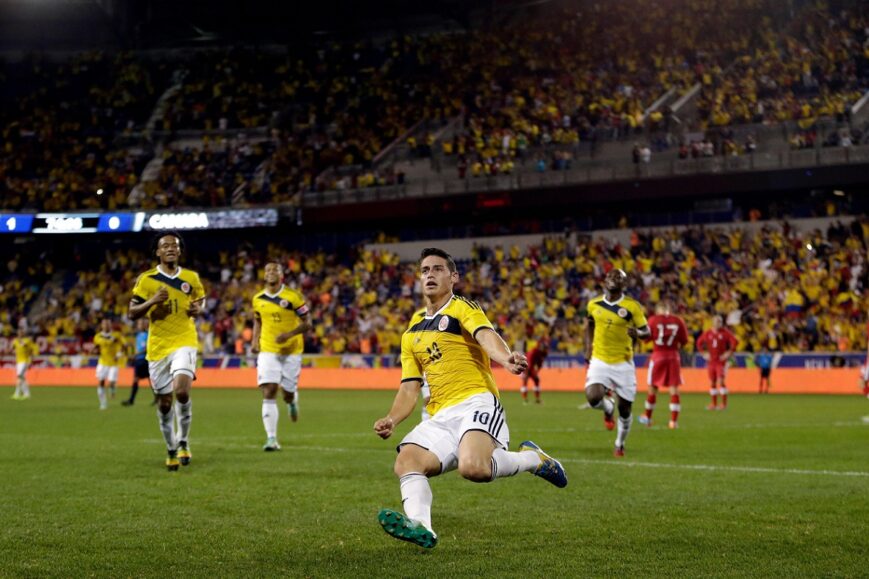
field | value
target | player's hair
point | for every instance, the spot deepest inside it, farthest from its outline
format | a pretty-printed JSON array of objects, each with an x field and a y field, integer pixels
[
  {"x": 155, "y": 241},
  {"x": 277, "y": 262},
  {"x": 451, "y": 264}
]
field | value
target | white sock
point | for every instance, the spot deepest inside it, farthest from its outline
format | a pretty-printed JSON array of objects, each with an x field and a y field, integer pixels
[
  {"x": 167, "y": 427},
  {"x": 18, "y": 389},
  {"x": 605, "y": 404},
  {"x": 505, "y": 463},
  {"x": 185, "y": 415},
  {"x": 417, "y": 498},
  {"x": 101, "y": 394},
  {"x": 270, "y": 417},
  {"x": 25, "y": 388},
  {"x": 623, "y": 428}
]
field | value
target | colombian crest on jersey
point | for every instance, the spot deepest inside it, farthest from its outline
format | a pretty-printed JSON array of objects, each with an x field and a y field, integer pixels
[
  {"x": 623, "y": 313},
  {"x": 185, "y": 287},
  {"x": 444, "y": 323},
  {"x": 284, "y": 303}
]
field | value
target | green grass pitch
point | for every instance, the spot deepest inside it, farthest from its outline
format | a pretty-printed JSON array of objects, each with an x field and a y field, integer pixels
[{"x": 775, "y": 486}]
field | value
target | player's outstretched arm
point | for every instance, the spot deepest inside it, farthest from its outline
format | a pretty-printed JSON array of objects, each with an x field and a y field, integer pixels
[
  {"x": 500, "y": 352},
  {"x": 402, "y": 406},
  {"x": 138, "y": 308}
]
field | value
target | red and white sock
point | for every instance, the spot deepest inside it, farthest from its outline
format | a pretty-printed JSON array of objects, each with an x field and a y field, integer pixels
[
  {"x": 650, "y": 404},
  {"x": 675, "y": 407},
  {"x": 723, "y": 392},
  {"x": 713, "y": 392}
]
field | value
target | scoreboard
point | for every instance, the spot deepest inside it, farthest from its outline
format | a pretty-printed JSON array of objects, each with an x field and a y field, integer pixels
[{"x": 124, "y": 222}]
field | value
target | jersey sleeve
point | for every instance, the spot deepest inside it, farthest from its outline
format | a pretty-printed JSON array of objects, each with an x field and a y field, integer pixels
[
  {"x": 701, "y": 341},
  {"x": 254, "y": 307},
  {"x": 682, "y": 336},
  {"x": 141, "y": 292},
  {"x": 410, "y": 367},
  {"x": 299, "y": 304},
  {"x": 473, "y": 318},
  {"x": 197, "y": 291},
  {"x": 639, "y": 315}
]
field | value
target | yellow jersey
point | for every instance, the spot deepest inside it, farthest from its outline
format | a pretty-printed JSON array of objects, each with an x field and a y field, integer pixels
[
  {"x": 279, "y": 313},
  {"x": 111, "y": 346},
  {"x": 25, "y": 350},
  {"x": 443, "y": 348},
  {"x": 611, "y": 343},
  {"x": 171, "y": 328}
]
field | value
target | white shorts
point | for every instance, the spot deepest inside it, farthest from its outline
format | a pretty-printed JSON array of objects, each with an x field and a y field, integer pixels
[
  {"x": 622, "y": 378},
  {"x": 109, "y": 373},
  {"x": 21, "y": 369},
  {"x": 442, "y": 433},
  {"x": 163, "y": 371},
  {"x": 283, "y": 369}
]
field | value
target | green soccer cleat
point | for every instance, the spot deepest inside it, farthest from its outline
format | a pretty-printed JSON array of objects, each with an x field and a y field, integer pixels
[
  {"x": 401, "y": 527},
  {"x": 271, "y": 444},
  {"x": 294, "y": 411},
  {"x": 549, "y": 469},
  {"x": 184, "y": 455}
]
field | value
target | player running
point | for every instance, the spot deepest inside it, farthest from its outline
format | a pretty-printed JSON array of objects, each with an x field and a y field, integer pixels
[
  {"x": 450, "y": 343},
  {"x": 719, "y": 344},
  {"x": 668, "y": 334},
  {"x": 615, "y": 322},
  {"x": 535, "y": 361},
  {"x": 110, "y": 345},
  {"x": 171, "y": 297},
  {"x": 281, "y": 317},
  {"x": 25, "y": 350}
]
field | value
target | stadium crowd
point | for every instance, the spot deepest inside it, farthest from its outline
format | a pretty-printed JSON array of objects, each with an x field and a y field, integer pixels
[{"x": 776, "y": 288}]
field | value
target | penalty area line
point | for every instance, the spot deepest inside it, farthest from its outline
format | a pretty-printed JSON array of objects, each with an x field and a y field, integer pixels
[{"x": 717, "y": 468}]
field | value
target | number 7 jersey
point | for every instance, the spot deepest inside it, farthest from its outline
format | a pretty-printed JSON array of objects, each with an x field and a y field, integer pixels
[{"x": 171, "y": 328}]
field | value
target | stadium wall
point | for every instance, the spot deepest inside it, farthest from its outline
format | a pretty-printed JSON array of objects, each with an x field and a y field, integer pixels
[{"x": 739, "y": 380}]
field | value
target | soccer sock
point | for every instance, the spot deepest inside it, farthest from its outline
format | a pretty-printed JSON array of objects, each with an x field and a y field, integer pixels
[
  {"x": 713, "y": 392},
  {"x": 537, "y": 393},
  {"x": 675, "y": 407},
  {"x": 524, "y": 391},
  {"x": 185, "y": 416},
  {"x": 624, "y": 427},
  {"x": 25, "y": 388},
  {"x": 650, "y": 404},
  {"x": 101, "y": 394},
  {"x": 17, "y": 388},
  {"x": 167, "y": 427},
  {"x": 134, "y": 391},
  {"x": 294, "y": 405},
  {"x": 506, "y": 463},
  {"x": 605, "y": 404},
  {"x": 113, "y": 388},
  {"x": 270, "y": 417},
  {"x": 417, "y": 498},
  {"x": 723, "y": 392}
]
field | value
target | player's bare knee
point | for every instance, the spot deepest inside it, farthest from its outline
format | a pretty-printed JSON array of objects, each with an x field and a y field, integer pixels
[
  {"x": 625, "y": 408},
  {"x": 476, "y": 470},
  {"x": 289, "y": 397},
  {"x": 164, "y": 403},
  {"x": 594, "y": 393},
  {"x": 270, "y": 391}
]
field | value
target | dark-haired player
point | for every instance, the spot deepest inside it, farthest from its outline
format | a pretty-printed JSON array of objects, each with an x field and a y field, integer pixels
[
  {"x": 171, "y": 297},
  {"x": 615, "y": 321},
  {"x": 449, "y": 343},
  {"x": 669, "y": 334}
]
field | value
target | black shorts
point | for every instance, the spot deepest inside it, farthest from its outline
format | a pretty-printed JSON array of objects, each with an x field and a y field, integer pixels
[
  {"x": 764, "y": 372},
  {"x": 140, "y": 369}
]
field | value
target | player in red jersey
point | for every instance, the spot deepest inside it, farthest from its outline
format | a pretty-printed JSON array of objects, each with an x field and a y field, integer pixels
[
  {"x": 669, "y": 334},
  {"x": 720, "y": 345},
  {"x": 535, "y": 361},
  {"x": 864, "y": 371}
]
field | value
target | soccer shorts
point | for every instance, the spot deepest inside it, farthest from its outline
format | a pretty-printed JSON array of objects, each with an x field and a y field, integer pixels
[
  {"x": 621, "y": 377},
  {"x": 109, "y": 373},
  {"x": 21, "y": 369},
  {"x": 283, "y": 369},
  {"x": 717, "y": 371},
  {"x": 765, "y": 372},
  {"x": 664, "y": 373},
  {"x": 182, "y": 361},
  {"x": 140, "y": 369},
  {"x": 443, "y": 432}
]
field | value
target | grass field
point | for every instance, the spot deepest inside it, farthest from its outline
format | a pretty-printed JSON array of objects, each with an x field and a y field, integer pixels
[{"x": 775, "y": 486}]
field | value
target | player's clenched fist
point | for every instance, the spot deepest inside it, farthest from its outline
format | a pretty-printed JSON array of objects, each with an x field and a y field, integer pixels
[
  {"x": 383, "y": 427},
  {"x": 517, "y": 363}
]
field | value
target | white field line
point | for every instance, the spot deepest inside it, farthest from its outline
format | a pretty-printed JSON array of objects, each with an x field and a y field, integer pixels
[{"x": 612, "y": 462}]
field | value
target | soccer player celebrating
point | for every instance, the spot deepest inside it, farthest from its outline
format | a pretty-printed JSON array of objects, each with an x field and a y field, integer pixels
[
  {"x": 171, "y": 297},
  {"x": 25, "y": 350},
  {"x": 535, "y": 361},
  {"x": 109, "y": 343},
  {"x": 615, "y": 321},
  {"x": 669, "y": 334},
  {"x": 719, "y": 344},
  {"x": 140, "y": 363},
  {"x": 450, "y": 343},
  {"x": 281, "y": 317}
]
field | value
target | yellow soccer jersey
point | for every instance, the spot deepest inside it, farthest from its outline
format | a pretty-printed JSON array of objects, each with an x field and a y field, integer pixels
[
  {"x": 171, "y": 328},
  {"x": 611, "y": 343},
  {"x": 25, "y": 350},
  {"x": 110, "y": 346},
  {"x": 279, "y": 313},
  {"x": 444, "y": 349}
]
